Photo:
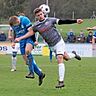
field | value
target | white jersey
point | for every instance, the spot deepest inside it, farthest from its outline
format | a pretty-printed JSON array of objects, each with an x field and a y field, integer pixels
[
  {"x": 10, "y": 28},
  {"x": 17, "y": 45},
  {"x": 16, "y": 48}
]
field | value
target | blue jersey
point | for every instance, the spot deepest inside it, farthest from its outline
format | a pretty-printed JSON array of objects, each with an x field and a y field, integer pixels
[{"x": 21, "y": 30}]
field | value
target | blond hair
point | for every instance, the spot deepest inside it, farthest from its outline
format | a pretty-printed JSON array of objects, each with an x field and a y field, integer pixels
[{"x": 13, "y": 20}]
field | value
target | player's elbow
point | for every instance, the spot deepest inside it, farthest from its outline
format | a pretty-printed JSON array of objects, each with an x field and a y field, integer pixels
[{"x": 31, "y": 32}]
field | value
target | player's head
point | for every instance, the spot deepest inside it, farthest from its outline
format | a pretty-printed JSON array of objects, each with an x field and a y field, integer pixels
[
  {"x": 39, "y": 14},
  {"x": 14, "y": 21}
]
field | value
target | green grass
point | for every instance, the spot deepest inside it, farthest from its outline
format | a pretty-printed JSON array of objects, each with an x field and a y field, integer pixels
[
  {"x": 80, "y": 78},
  {"x": 77, "y": 27}
]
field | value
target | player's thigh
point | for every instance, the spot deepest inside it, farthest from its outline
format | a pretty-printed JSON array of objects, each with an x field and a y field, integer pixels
[
  {"x": 22, "y": 50},
  {"x": 66, "y": 56},
  {"x": 60, "y": 58},
  {"x": 29, "y": 47},
  {"x": 60, "y": 47}
]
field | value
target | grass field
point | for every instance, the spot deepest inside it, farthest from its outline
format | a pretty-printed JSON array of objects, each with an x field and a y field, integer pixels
[
  {"x": 80, "y": 78},
  {"x": 77, "y": 27}
]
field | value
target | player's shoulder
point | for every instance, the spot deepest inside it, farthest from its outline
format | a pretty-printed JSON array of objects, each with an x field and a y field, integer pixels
[
  {"x": 36, "y": 23},
  {"x": 23, "y": 18},
  {"x": 52, "y": 18}
]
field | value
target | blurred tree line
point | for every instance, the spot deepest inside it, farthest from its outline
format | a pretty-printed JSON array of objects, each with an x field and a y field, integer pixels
[{"x": 59, "y": 8}]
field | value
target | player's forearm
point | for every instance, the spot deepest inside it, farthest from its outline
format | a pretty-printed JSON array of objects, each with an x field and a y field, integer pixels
[
  {"x": 94, "y": 28},
  {"x": 29, "y": 34},
  {"x": 22, "y": 37},
  {"x": 66, "y": 21},
  {"x": 91, "y": 28},
  {"x": 9, "y": 33},
  {"x": 10, "y": 37}
]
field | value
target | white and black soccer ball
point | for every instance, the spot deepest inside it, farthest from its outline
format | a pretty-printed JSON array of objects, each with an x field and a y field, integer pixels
[{"x": 45, "y": 8}]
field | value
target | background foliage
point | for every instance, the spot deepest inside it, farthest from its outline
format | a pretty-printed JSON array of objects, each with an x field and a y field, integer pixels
[{"x": 59, "y": 8}]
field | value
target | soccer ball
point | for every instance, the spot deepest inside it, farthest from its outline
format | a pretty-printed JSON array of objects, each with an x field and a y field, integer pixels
[{"x": 45, "y": 8}]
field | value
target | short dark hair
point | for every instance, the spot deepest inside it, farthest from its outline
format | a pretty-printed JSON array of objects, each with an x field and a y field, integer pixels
[{"x": 37, "y": 10}]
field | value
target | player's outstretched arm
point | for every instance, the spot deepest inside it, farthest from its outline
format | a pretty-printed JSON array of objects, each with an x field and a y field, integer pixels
[
  {"x": 94, "y": 28},
  {"x": 28, "y": 34},
  {"x": 91, "y": 28},
  {"x": 10, "y": 37},
  {"x": 70, "y": 21}
]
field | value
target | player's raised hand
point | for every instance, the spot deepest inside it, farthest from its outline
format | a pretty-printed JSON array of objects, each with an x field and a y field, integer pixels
[{"x": 79, "y": 21}]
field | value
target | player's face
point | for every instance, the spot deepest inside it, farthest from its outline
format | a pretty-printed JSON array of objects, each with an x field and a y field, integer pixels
[
  {"x": 40, "y": 16},
  {"x": 17, "y": 22}
]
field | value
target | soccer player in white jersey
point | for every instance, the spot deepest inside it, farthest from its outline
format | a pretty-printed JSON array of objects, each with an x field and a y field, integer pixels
[
  {"x": 47, "y": 29},
  {"x": 14, "y": 56},
  {"x": 15, "y": 49}
]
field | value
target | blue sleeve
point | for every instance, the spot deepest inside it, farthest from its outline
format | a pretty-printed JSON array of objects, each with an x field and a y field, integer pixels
[{"x": 26, "y": 22}]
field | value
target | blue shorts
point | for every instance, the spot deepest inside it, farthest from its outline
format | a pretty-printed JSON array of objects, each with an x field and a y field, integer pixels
[{"x": 23, "y": 45}]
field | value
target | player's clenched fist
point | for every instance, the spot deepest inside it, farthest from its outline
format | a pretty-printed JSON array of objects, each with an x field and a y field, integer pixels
[{"x": 79, "y": 21}]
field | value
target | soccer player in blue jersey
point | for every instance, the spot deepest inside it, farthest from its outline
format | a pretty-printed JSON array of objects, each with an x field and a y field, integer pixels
[
  {"x": 47, "y": 29},
  {"x": 22, "y": 25}
]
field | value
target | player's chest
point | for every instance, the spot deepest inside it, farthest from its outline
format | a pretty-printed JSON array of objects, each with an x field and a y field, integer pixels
[
  {"x": 43, "y": 27},
  {"x": 19, "y": 29}
]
